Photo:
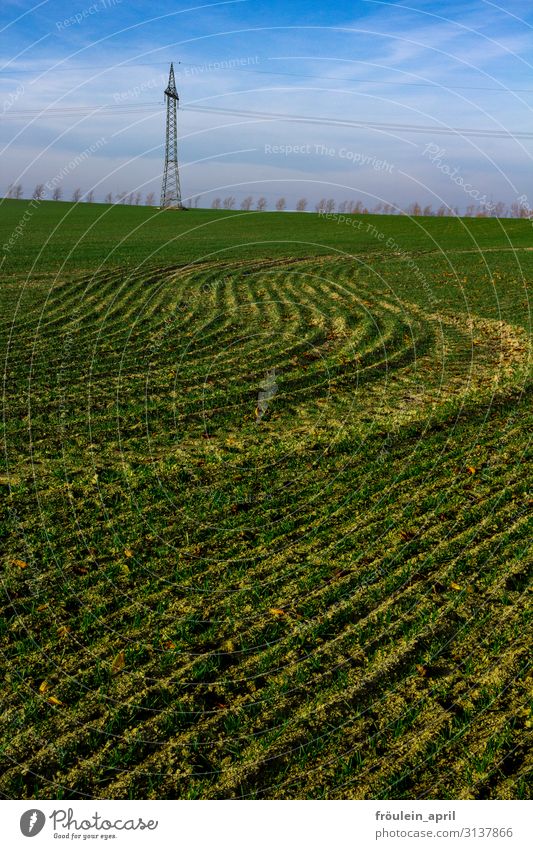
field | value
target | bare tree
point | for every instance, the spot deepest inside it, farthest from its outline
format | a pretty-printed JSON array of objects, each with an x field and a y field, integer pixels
[
  {"x": 122, "y": 197},
  {"x": 441, "y": 211},
  {"x": 216, "y": 204},
  {"x": 343, "y": 205},
  {"x": 130, "y": 198},
  {"x": 38, "y": 192},
  {"x": 247, "y": 203},
  {"x": 427, "y": 210},
  {"x": 17, "y": 191},
  {"x": 520, "y": 210},
  {"x": 281, "y": 205},
  {"x": 10, "y": 190},
  {"x": 301, "y": 206},
  {"x": 150, "y": 199},
  {"x": 108, "y": 198},
  {"x": 90, "y": 197},
  {"x": 261, "y": 204},
  {"x": 330, "y": 205},
  {"x": 229, "y": 202},
  {"x": 76, "y": 195},
  {"x": 57, "y": 194},
  {"x": 321, "y": 205},
  {"x": 137, "y": 199}
]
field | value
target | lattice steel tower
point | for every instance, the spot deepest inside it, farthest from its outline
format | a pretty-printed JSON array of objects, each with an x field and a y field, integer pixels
[{"x": 170, "y": 190}]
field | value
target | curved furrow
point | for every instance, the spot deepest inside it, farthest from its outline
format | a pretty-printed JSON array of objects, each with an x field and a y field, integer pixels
[{"x": 287, "y": 494}]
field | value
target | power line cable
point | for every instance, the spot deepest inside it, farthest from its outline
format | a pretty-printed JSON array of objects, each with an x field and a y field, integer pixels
[
  {"x": 219, "y": 67},
  {"x": 126, "y": 109}
]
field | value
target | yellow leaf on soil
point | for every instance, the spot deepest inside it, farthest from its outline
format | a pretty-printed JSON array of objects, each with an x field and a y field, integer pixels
[
  {"x": 455, "y": 586},
  {"x": 471, "y": 470},
  {"x": 20, "y": 563},
  {"x": 118, "y": 663},
  {"x": 276, "y": 611},
  {"x": 128, "y": 552},
  {"x": 43, "y": 687},
  {"x": 53, "y": 701}
]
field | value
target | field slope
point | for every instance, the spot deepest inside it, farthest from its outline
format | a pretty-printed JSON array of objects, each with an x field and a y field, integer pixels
[{"x": 265, "y": 502}]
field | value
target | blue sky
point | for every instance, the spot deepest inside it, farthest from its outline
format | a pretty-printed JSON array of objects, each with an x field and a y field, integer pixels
[{"x": 429, "y": 64}]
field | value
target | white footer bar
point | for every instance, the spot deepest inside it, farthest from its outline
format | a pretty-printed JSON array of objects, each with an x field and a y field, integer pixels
[{"x": 268, "y": 824}]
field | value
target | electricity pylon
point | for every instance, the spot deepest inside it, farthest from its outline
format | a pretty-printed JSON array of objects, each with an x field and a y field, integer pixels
[{"x": 170, "y": 190}]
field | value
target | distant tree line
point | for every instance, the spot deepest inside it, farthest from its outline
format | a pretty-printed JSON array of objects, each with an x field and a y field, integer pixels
[
  {"x": 79, "y": 196},
  {"x": 353, "y": 207},
  {"x": 324, "y": 205}
]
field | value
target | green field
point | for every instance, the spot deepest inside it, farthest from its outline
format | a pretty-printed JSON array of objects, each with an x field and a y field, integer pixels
[{"x": 210, "y": 595}]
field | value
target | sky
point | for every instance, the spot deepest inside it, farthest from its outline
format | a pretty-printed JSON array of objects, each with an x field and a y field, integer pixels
[{"x": 276, "y": 99}]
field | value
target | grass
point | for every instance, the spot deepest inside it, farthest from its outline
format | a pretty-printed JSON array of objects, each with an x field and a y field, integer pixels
[
  {"x": 58, "y": 236},
  {"x": 328, "y": 600}
]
